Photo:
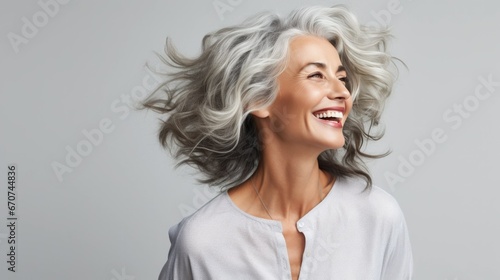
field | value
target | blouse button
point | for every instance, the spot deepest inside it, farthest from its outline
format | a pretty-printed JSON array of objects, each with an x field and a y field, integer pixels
[{"x": 300, "y": 224}]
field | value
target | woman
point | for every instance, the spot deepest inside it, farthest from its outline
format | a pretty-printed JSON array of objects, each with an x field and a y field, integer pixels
[{"x": 276, "y": 111}]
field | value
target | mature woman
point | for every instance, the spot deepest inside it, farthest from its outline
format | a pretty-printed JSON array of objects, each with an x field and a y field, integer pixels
[{"x": 275, "y": 111}]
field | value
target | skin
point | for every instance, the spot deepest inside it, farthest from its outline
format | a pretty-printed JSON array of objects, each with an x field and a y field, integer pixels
[{"x": 288, "y": 177}]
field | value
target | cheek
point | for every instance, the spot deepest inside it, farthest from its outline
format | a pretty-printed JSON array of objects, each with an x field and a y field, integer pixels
[
  {"x": 304, "y": 99},
  {"x": 294, "y": 100},
  {"x": 290, "y": 101}
]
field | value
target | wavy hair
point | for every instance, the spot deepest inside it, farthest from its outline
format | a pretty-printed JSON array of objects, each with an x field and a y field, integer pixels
[{"x": 207, "y": 100}]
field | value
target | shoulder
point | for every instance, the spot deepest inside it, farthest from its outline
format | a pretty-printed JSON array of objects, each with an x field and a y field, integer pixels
[
  {"x": 195, "y": 230},
  {"x": 194, "y": 239},
  {"x": 373, "y": 201},
  {"x": 211, "y": 230}
]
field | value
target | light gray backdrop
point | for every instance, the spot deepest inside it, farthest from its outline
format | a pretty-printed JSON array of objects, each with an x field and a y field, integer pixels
[{"x": 96, "y": 194}]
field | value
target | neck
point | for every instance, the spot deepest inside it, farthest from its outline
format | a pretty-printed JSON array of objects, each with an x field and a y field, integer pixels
[{"x": 289, "y": 184}]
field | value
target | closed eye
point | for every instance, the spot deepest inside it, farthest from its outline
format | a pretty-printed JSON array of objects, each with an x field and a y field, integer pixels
[{"x": 316, "y": 75}]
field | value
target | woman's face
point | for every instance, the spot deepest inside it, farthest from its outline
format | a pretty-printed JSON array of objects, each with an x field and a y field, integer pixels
[{"x": 313, "y": 102}]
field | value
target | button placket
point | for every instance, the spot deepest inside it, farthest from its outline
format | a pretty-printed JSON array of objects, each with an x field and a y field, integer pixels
[{"x": 300, "y": 224}]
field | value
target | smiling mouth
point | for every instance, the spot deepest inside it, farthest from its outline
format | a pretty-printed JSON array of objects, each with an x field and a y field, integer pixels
[{"x": 330, "y": 115}]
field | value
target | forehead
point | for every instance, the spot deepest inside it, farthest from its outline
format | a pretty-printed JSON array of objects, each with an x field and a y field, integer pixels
[{"x": 307, "y": 48}]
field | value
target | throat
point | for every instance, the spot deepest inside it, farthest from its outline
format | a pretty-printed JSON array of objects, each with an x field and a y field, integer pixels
[{"x": 289, "y": 205}]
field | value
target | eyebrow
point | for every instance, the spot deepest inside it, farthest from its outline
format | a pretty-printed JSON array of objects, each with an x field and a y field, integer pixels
[{"x": 323, "y": 66}]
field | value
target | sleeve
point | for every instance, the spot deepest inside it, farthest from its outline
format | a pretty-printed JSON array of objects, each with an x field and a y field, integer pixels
[
  {"x": 398, "y": 260},
  {"x": 178, "y": 266}
]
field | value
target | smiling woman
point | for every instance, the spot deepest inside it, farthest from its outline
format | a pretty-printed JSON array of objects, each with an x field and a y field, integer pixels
[
  {"x": 313, "y": 87},
  {"x": 276, "y": 111}
]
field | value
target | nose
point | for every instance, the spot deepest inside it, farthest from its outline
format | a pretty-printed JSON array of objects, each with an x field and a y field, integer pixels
[{"x": 338, "y": 90}]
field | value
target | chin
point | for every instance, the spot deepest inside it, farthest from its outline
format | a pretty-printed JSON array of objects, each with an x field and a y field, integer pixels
[
  {"x": 337, "y": 141},
  {"x": 335, "y": 145}
]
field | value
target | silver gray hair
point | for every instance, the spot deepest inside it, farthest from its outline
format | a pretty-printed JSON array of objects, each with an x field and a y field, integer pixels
[{"x": 207, "y": 100}]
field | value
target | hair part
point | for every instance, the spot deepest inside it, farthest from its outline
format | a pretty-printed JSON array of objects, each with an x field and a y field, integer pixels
[{"x": 208, "y": 99}]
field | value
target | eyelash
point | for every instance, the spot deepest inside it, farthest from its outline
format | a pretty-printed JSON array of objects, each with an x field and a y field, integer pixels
[
  {"x": 344, "y": 80},
  {"x": 316, "y": 74}
]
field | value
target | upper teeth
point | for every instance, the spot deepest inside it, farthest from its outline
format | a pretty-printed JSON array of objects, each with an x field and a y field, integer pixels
[{"x": 329, "y": 114}]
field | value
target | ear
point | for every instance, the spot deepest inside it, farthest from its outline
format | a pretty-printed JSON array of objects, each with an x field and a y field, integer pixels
[{"x": 261, "y": 113}]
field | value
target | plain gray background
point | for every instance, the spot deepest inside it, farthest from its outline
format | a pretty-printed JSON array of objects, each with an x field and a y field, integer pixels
[{"x": 107, "y": 216}]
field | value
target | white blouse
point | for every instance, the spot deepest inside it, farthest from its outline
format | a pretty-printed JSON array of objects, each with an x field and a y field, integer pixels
[{"x": 350, "y": 235}]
